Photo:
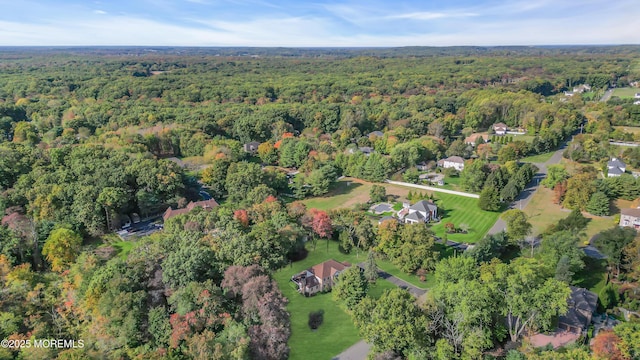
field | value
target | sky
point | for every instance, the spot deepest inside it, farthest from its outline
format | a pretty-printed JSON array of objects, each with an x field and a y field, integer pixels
[{"x": 318, "y": 23}]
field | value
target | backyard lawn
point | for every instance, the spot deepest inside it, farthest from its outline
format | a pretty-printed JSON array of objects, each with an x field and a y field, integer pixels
[
  {"x": 625, "y": 93},
  {"x": 337, "y": 331},
  {"x": 540, "y": 158},
  {"x": 463, "y": 210},
  {"x": 542, "y": 212},
  {"x": 456, "y": 209}
]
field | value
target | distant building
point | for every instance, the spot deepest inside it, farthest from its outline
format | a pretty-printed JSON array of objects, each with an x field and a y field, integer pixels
[
  {"x": 251, "y": 147},
  {"x": 471, "y": 139},
  {"x": 615, "y": 167},
  {"x": 455, "y": 162},
  {"x": 320, "y": 277},
  {"x": 422, "y": 166},
  {"x": 637, "y": 96},
  {"x": 421, "y": 212},
  {"x": 500, "y": 128},
  {"x": 366, "y": 150},
  {"x": 582, "y": 88},
  {"x": 376, "y": 134},
  {"x": 206, "y": 204},
  {"x": 630, "y": 218},
  {"x": 568, "y": 93}
]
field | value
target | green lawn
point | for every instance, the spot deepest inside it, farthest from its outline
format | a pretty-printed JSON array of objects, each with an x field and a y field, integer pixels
[
  {"x": 453, "y": 208},
  {"x": 463, "y": 210},
  {"x": 593, "y": 276},
  {"x": 337, "y": 331},
  {"x": 124, "y": 247},
  {"x": 540, "y": 158},
  {"x": 625, "y": 93}
]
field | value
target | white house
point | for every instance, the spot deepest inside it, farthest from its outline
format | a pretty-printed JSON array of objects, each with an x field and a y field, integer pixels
[
  {"x": 615, "y": 167},
  {"x": 500, "y": 128},
  {"x": 421, "y": 212},
  {"x": 637, "y": 96},
  {"x": 455, "y": 162},
  {"x": 630, "y": 218}
]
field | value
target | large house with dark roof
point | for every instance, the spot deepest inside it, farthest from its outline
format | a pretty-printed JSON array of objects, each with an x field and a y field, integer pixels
[
  {"x": 615, "y": 167},
  {"x": 582, "y": 304},
  {"x": 630, "y": 218},
  {"x": 205, "y": 204},
  {"x": 320, "y": 277},
  {"x": 420, "y": 212}
]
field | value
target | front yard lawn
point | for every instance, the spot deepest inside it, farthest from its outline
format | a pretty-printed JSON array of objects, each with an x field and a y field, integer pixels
[
  {"x": 453, "y": 208},
  {"x": 337, "y": 331},
  {"x": 463, "y": 210},
  {"x": 540, "y": 158}
]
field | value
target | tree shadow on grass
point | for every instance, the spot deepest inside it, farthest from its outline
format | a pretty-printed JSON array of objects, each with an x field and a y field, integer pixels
[
  {"x": 342, "y": 187},
  {"x": 315, "y": 319}
]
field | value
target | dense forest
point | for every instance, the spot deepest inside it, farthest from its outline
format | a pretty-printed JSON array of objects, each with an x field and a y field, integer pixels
[{"x": 90, "y": 135}]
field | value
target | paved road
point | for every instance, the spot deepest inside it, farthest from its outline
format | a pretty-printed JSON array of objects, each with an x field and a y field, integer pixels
[
  {"x": 361, "y": 349},
  {"x": 525, "y": 196},
  {"x": 434, "y": 189},
  {"x": 607, "y": 95}
]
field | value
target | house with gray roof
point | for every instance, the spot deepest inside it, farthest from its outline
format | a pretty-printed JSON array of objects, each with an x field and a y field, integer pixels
[
  {"x": 615, "y": 167},
  {"x": 421, "y": 212},
  {"x": 582, "y": 304},
  {"x": 630, "y": 218},
  {"x": 376, "y": 133}
]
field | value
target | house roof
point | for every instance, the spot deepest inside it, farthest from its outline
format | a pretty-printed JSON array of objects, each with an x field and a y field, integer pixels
[
  {"x": 328, "y": 268},
  {"x": 252, "y": 143},
  {"x": 582, "y": 304},
  {"x": 631, "y": 212},
  {"x": 366, "y": 149},
  {"x": 377, "y": 133},
  {"x": 615, "y": 170},
  {"x": 502, "y": 126},
  {"x": 423, "y": 205},
  {"x": 454, "y": 159},
  {"x": 416, "y": 216},
  {"x": 205, "y": 204},
  {"x": 471, "y": 139},
  {"x": 615, "y": 162}
]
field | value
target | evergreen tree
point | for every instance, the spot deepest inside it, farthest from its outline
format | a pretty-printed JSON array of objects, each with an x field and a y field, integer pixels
[
  {"x": 489, "y": 199},
  {"x": 598, "y": 204},
  {"x": 370, "y": 267}
]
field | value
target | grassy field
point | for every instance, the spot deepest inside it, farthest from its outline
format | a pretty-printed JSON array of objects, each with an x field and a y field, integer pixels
[
  {"x": 337, "y": 331},
  {"x": 542, "y": 212},
  {"x": 456, "y": 209},
  {"x": 124, "y": 247},
  {"x": 630, "y": 129},
  {"x": 463, "y": 210},
  {"x": 540, "y": 158},
  {"x": 593, "y": 276},
  {"x": 625, "y": 93},
  {"x": 347, "y": 192}
]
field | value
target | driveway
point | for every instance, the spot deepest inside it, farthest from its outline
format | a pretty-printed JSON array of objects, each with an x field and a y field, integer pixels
[
  {"x": 434, "y": 189},
  {"x": 607, "y": 95},
  {"x": 361, "y": 349},
  {"x": 525, "y": 196}
]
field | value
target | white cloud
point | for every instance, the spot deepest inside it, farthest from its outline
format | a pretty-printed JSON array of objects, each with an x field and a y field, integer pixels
[
  {"x": 427, "y": 15},
  {"x": 100, "y": 12}
]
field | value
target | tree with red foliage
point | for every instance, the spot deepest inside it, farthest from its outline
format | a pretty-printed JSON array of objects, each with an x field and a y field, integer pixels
[
  {"x": 559, "y": 190},
  {"x": 321, "y": 223},
  {"x": 242, "y": 217},
  {"x": 605, "y": 346}
]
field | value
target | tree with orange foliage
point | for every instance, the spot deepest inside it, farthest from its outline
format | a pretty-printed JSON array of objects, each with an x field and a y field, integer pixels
[
  {"x": 242, "y": 217},
  {"x": 605, "y": 346},
  {"x": 559, "y": 190}
]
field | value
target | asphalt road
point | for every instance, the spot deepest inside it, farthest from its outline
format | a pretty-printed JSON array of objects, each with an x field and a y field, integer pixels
[{"x": 525, "y": 196}]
